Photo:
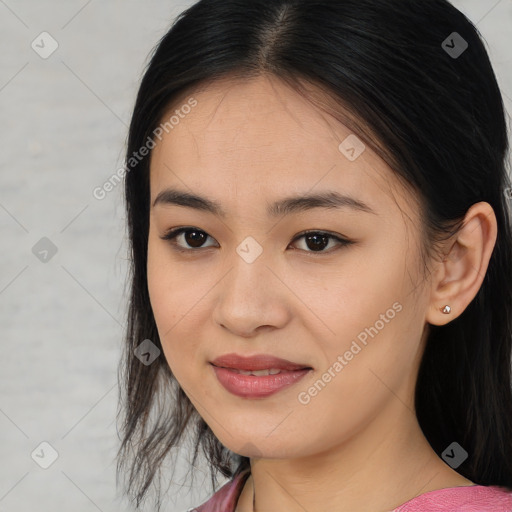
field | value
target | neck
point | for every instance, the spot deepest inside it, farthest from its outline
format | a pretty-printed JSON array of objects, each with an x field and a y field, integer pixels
[{"x": 378, "y": 469}]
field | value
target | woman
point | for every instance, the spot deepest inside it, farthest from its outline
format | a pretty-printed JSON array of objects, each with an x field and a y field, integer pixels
[{"x": 321, "y": 259}]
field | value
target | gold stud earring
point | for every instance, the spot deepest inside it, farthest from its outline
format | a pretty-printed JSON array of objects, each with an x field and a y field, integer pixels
[{"x": 446, "y": 309}]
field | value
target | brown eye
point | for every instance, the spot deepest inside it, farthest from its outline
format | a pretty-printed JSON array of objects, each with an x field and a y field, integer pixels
[
  {"x": 317, "y": 241},
  {"x": 191, "y": 236},
  {"x": 194, "y": 238}
]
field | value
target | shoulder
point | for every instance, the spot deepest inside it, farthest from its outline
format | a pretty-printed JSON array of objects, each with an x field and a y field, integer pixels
[
  {"x": 475, "y": 498},
  {"x": 225, "y": 499}
]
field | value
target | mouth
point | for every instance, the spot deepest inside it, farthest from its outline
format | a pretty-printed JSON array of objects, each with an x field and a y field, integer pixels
[
  {"x": 257, "y": 365},
  {"x": 262, "y": 373},
  {"x": 257, "y": 376},
  {"x": 258, "y": 384}
]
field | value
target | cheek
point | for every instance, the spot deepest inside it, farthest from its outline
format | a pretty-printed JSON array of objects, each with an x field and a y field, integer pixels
[
  {"x": 358, "y": 302},
  {"x": 170, "y": 286},
  {"x": 373, "y": 327},
  {"x": 169, "y": 295},
  {"x": 160, "y": 287},
  {"x": 369, "y": 364}
]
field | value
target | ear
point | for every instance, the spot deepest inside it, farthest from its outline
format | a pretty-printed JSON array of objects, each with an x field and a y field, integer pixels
[{"x": 457, "y": 279}]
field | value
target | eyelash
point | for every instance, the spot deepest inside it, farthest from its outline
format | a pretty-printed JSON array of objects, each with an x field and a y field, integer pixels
[{"x": 175, "y": 232}]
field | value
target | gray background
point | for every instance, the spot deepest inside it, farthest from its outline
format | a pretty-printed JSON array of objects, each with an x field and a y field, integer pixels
[{"x": 64, "y": 124}]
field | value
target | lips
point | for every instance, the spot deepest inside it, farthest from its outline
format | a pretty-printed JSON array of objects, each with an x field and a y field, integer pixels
[{"x": 256, "y": 362}]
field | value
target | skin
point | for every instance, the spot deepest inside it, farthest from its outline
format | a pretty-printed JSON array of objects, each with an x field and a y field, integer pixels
[{"x": 357, "y": 445}]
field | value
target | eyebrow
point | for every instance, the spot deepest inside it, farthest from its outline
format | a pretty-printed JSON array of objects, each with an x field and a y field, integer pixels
[{"x": 289, "y": 205}]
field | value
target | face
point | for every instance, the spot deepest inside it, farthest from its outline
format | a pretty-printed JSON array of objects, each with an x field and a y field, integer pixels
[{"x": 346, "y": 300}]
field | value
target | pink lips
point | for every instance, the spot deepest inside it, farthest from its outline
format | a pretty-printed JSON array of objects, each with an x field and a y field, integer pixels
[
  {"x": 251, "y": 386},
  {"x": 257, "y": 362}
]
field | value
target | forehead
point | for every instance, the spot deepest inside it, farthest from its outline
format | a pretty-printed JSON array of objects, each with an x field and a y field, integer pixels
[{"x": 258, "y": 137}]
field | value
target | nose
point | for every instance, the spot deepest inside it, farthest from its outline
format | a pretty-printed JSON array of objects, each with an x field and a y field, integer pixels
[{"x": 250, "y": 298}]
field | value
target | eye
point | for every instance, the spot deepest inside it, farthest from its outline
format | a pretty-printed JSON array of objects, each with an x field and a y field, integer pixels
[
  {"x": 192, "y": 236},
  {"x": 195, "y": 237},
  {"x": 319, "y": 240}
]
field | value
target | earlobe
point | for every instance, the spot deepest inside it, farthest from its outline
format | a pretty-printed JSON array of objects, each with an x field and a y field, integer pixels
[{"x": 459, "y": 276}]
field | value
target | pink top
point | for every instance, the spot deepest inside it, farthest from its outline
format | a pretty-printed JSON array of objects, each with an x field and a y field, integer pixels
[{"x": 475, "y": 498}]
